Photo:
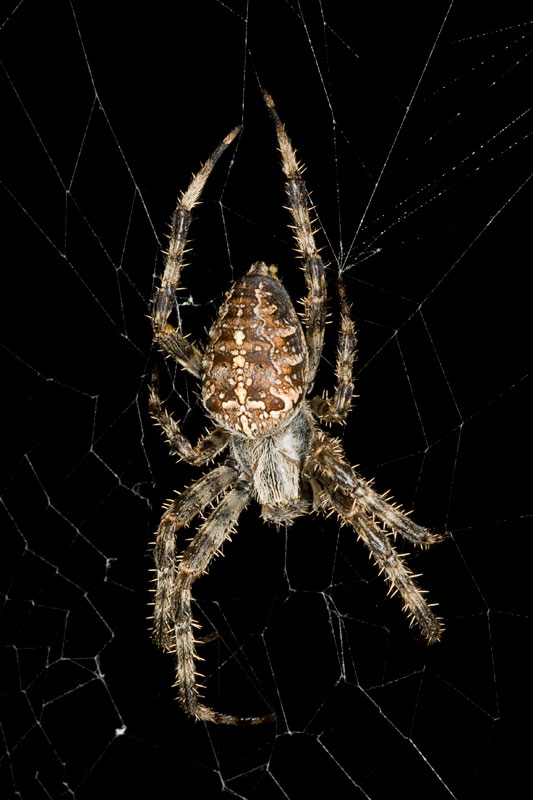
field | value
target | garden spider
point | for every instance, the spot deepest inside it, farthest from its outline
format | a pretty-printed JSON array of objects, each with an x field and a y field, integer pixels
[{"x": 256, "y": 372}]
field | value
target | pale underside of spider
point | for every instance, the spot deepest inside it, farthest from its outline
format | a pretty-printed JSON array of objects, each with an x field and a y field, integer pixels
[{"x": 256, "y": 373}]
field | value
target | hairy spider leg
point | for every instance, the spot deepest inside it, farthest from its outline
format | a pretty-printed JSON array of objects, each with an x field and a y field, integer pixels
[
  {"x": 333, "y": 409},
  {"x": 195, "y": 561},
  {"x": 171, "y": 340},
  {"x": 336, "y": 408},
  {"x": 355, "y": 503},
  {"x": 179, "y": 513},
  {"x": 315, "y": 311},
  {"x": 206, "y": 448}
]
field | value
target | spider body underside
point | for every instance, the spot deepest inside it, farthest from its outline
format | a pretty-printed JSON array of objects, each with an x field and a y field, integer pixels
[{"x": 256, "y": 374}]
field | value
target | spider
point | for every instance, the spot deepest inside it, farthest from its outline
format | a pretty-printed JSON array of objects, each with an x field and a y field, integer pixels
[{"x": 256, "y": 373}]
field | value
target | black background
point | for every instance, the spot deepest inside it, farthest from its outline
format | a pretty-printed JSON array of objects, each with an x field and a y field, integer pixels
[{"x": 109, "y": 109}]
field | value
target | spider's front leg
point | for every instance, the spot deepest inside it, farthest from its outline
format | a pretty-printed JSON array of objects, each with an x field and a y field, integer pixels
[
  {"x": 195, "y": 561},
  {"x": 178, "y": 514},
  {"x": 356, "y": 504},
  {"x": 340, "y": 473},
  {"x": 169, "y": 338}
]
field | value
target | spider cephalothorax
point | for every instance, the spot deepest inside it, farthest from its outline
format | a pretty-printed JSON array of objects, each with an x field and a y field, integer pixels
[{"x": 256, "y": 372}]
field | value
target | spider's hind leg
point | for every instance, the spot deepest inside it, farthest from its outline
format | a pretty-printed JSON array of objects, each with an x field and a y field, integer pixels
[
  {"x": 206, "y": 449},
  {"x": 170, "y": 339},
  {"x": 304, "y": 236},
  {"x": 336, "y": 409}
]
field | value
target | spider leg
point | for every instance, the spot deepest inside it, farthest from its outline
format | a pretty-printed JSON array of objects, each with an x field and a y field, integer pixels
[
  {"x": 371, "y": 502},
  {"x": 206, "y": 449},
  {"x": 336, "y": 408},
  {"x": 352, "y": 499},
  {"x": 194, "y": 562},
  {"x": 169, "y": 338},
  {"x": 177, "y": 515},
  {"x": 299, "y": 206}
]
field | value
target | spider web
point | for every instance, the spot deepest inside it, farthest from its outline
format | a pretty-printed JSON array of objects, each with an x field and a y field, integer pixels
[{"x": 414, "y": 123}]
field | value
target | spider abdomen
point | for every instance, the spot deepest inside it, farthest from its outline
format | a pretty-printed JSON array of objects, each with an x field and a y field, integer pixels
[{"x": 255, "y": 365}]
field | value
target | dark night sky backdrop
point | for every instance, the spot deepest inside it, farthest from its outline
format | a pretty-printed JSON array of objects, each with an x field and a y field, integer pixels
[{"x": 109, "y": 111}]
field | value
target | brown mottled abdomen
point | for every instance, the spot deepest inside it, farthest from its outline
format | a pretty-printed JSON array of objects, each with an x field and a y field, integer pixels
[{"x": 255, "y": 365}]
